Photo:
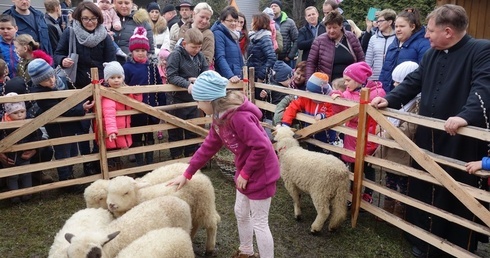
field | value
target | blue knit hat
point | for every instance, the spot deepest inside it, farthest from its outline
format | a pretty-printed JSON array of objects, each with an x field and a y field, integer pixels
[
  {"x": 318, "y": 83},
  {"x": 39, "y": 70},
  {"x": 209, "y": 86},
  {"x": 282, "y": 71}
]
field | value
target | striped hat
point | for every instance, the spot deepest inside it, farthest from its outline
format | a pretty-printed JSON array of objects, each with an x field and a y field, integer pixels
[
  {"x": 39, "y": 70},
  {"x": 139, "y": 40},
  {"x": 318, "y": 83},
  {"x": 209, "y": 86}
]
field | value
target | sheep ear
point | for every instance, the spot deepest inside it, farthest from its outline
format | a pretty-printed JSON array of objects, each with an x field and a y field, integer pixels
[
  {"x": 68, "y": 237},
  {"x": 111, "y": 236}
]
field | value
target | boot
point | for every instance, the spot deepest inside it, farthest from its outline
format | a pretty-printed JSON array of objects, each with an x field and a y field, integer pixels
[
  {"x": 139, "y": 156},
  {"x": 399, "y": 210},
  {"x": 149, "y": 155}
]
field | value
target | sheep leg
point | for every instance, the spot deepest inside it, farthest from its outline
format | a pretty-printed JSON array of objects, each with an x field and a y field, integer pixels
[
  {"x": 194, "y": 229},
  {"x": 323, "y": 211},
  {"x": 211, "y": 240},
  {"x": 295, "y": 194}
]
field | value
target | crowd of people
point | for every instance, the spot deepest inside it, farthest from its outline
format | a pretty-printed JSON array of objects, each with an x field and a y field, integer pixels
[{"x": 399, "y": 59}]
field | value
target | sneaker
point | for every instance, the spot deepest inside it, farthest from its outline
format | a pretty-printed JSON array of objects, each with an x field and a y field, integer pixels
[
  {"x": 367, "y": 197},
  {"x": 239, "y": 254},
  {"x": 121, "y": 53}
]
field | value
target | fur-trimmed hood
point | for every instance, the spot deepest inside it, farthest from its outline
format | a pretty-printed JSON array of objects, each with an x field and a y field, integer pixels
[
  {"x": 160, "y": 26},
  {"x": 141, "y": 16}
]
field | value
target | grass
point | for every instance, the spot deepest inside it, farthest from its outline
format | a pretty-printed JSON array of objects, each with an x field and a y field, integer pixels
[{"x": 28, "y": 229}]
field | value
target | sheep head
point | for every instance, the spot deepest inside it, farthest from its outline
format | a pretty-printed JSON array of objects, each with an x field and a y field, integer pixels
[
  {"x": 95, "y": 194},
  {"x": 122, "y": 194},
  {"x": 284, "y": 138},
  {"x": 88, "y": 245}
]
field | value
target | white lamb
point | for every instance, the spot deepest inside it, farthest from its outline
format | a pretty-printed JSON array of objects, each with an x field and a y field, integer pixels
[
  {"x": 95, "y": 194},
  {"x": 161, "y": 212},
  {"x": 323, "y": 176},
  {"x": 160, "y": 243},
  {"x": 81, "y": 221},
  {"x": 125, "y": 192}
]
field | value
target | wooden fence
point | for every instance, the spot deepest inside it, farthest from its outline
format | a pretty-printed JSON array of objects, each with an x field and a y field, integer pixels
[{"x": 429, "y": 161}]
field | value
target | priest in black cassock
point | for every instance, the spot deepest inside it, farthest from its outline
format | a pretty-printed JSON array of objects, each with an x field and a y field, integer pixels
[{"x": 451, "y": 76}]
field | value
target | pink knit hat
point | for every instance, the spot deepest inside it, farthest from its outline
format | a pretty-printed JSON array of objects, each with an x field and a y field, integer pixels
[
  {"x": 163, "y": 54},
  {"x": 139, "y": 40},
  {"x": 359, "y": 72}
]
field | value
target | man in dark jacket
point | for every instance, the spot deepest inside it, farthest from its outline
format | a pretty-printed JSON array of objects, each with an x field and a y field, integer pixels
[
  {"x": 289, "y": 34},
  {"x": 310, "y": 31},
  {"x": 53, "y": 20},
  {"x": 451, "y": 90},
  {"x": 170, "y": 15},
  {"x": 31, "y": 21},
  {"x": 332, "y": 5}
]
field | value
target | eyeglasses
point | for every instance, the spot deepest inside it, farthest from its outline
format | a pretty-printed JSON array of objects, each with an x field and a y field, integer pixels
[
  {"x": 380, "y": 21},
  {"x": 231, "y": 21},
  {"x": 87, "y": 19}
]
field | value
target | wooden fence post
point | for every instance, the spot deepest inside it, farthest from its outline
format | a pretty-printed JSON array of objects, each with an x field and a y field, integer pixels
[
  {"x": 94, "y": 73},
  {"x": 251, "y": 84},
  {"x": 246, "y": 88},
  {"x": 361, "y": 141}
]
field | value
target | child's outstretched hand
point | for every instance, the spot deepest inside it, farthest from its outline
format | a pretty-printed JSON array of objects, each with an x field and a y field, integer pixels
[
  {"x": 318, "y": 117},
  {"x": 26, "y": 155},
  {"x": 234, "y": 79},
  {"x": 334, "y": 96},
  {"x": 472, "y": 167},
  {"x": 112, "y": 137},
  {"x": 263, "y": 94},
  {"x": 180, "y": 181},
  {"x": 189, "y": 88}
]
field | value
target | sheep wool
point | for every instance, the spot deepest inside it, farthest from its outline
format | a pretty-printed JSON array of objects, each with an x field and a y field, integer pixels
[
  {"x": 171, "y": 243},
  {"x": 161, "y": 212},
  {"x": 328, "y": 188},
  {"x": 124, "y": 193},
  {"x": 82, "y": 221},
  {"x": 95, "y": 194}
]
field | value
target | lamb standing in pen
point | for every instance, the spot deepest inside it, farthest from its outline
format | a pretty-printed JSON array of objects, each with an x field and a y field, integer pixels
[
  {"x": 161, "y": 212},
  {"x": 125, "y": 192},
  {"x": 323, "y": 176},
  {"x": 81, "y": 221},
  {"x": 160, "y": 243}
]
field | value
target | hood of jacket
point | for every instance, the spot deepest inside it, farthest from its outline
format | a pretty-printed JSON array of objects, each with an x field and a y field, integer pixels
[
  {"x": 160, "y": 26},
  {"x": 260, "y": 34},
  {"x": 418, "y": 35},
  {"x": 219, "y": 26},
  {"x": 140, "y": 16},
  {"x": 379, "y": 34},
  {"x": 246, "y": 106}
]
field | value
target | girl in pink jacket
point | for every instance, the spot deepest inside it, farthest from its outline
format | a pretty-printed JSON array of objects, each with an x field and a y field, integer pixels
[
  {"x": 114, "y": 76},
  {"x": 356, "y": 77}
]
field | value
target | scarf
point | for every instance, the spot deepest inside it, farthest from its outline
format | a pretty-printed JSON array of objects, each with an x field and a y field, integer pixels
[
  {"x": 234, "y": 34},
  {"x": 89, "y": 39}
]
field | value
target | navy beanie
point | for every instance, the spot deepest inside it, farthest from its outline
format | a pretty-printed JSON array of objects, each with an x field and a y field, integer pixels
[
  {"x": 278, "y": 2},
  {"x": 152, "y": 6},
  {"x": 168, "y": 8},
  {"x": 283, "y": 72},
  {"x": 209, "y": 86}
]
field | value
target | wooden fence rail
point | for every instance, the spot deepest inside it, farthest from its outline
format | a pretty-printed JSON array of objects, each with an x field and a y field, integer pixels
[{"x": 431, "y": 162}]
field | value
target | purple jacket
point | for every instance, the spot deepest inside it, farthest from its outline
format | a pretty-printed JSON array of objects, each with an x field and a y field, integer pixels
[
  {"x": 322, "y": 53},
  {"x": 255, "y": 158}
]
